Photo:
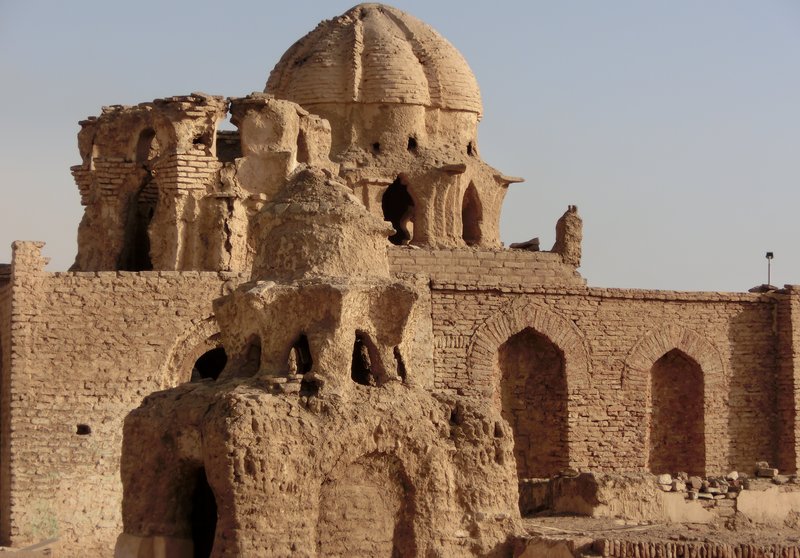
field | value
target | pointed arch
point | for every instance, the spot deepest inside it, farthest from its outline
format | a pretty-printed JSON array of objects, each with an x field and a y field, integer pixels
[
  {"x": 512, "y": 319},
  {"x": 637, "y": 376},
  {"x": 657, "y": 342},
  {"x": 471, "y": 216},
  {"x": 675, "y": 418},
  {"x": 202, "y": 337},
  {"x": 533, "y": 400},
  {"x": 494, "y": 353}
]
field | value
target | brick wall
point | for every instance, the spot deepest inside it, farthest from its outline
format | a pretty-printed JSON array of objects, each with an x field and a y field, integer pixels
[
  {"x": 474, "y": 267},
  {"x": 87, "y": 348},
  {"x": 5, "y": 407},
  {"x": 787, "y": 383},
  {"x": 84, "y": 348},
  {"x": 611, "y": 339}
]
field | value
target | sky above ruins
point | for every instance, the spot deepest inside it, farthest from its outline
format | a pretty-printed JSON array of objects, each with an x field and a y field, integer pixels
[{"x": 674, "y": 126}]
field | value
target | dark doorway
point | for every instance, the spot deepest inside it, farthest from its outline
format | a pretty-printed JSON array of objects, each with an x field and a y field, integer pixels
[
  {"x": 398, "y": 209},
  {"x": 210, "y": 364},
  {"x": 203, "y": 517}
]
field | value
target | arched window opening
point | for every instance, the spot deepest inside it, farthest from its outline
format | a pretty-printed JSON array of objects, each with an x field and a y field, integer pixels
[
  {"x": 412, "y": 143},
  {"x": 677, "y": 429},
  {"x": 210, "y": 364},
  {"x": 135, "y": 255},
  {"x": 146, "y": 146},
  {"x": 229, "y": 146},
  {"x": 300, "y": 362},
  {"x": 252, "y": 357},
  {"x": 471, "y": 149},
  {"x": 203, "y": 516},
  {"x": 533, "y": 397},
  {"x": 471, "y": 216},
  {"x": 398, "y": 209}
]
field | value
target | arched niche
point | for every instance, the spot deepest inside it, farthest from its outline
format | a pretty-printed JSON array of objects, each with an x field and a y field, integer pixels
[
  {"x": 533, "y": 399},
  {"x": 471, "y": 217},
  {"x": 397, "y": 205},
  {"x": 562, "y": 336},
  {"x": 676, "y": 415},
  {"x": 637, "y": 385}
]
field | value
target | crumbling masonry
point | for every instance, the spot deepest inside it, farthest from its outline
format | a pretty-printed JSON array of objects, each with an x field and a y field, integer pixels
[{"x": 317, "y": 344}]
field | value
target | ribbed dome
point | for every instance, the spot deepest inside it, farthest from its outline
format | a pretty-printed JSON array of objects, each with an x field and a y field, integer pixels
[{"x": 375, "y": 54}]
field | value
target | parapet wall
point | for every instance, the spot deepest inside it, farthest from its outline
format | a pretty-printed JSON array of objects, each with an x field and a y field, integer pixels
[{"x": 468, "y": 267}]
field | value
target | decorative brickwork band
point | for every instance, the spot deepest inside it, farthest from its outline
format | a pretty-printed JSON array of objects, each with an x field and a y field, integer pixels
[
  {"x": 636, "y": 380},
  {"x": 658, "y": 342},
  {"x": 195, "y": 341},
  {"x": 515, "y": 317}
]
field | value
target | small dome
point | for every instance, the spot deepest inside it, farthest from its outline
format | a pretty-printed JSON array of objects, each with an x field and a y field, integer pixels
[{"x": 375, "y": 54}]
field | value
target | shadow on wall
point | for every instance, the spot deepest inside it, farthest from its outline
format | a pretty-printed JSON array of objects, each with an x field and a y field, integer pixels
[
  {"x": 398, "y": 208},
  {"x": 676, "y": 417},
  {"x": 367, "y": 510},
  {"x": 752, "y": 416},
  {"x": 533, "y": 397}
]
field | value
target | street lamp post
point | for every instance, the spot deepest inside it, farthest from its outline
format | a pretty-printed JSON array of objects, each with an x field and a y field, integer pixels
[{"x": 770, "y": 255}]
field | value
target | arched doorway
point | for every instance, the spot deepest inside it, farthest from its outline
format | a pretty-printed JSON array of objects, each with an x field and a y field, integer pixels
[
  {"x": 203, "y": 516},
  {"x": 398, "y": 208},
  {"x": 471, "y": 216},
  {"x": 533, "y": 399},
  {"x": 676, "y": 421}
]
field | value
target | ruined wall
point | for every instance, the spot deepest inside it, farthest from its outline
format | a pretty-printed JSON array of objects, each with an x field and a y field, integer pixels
[
  {"x": 87, "y": 348},
  {"x": 611, "y": 339},
  {"x": 745, "y": 345}
]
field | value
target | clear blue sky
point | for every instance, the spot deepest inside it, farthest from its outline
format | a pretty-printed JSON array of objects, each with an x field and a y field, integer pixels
[{"x": 674, "y": 126}]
